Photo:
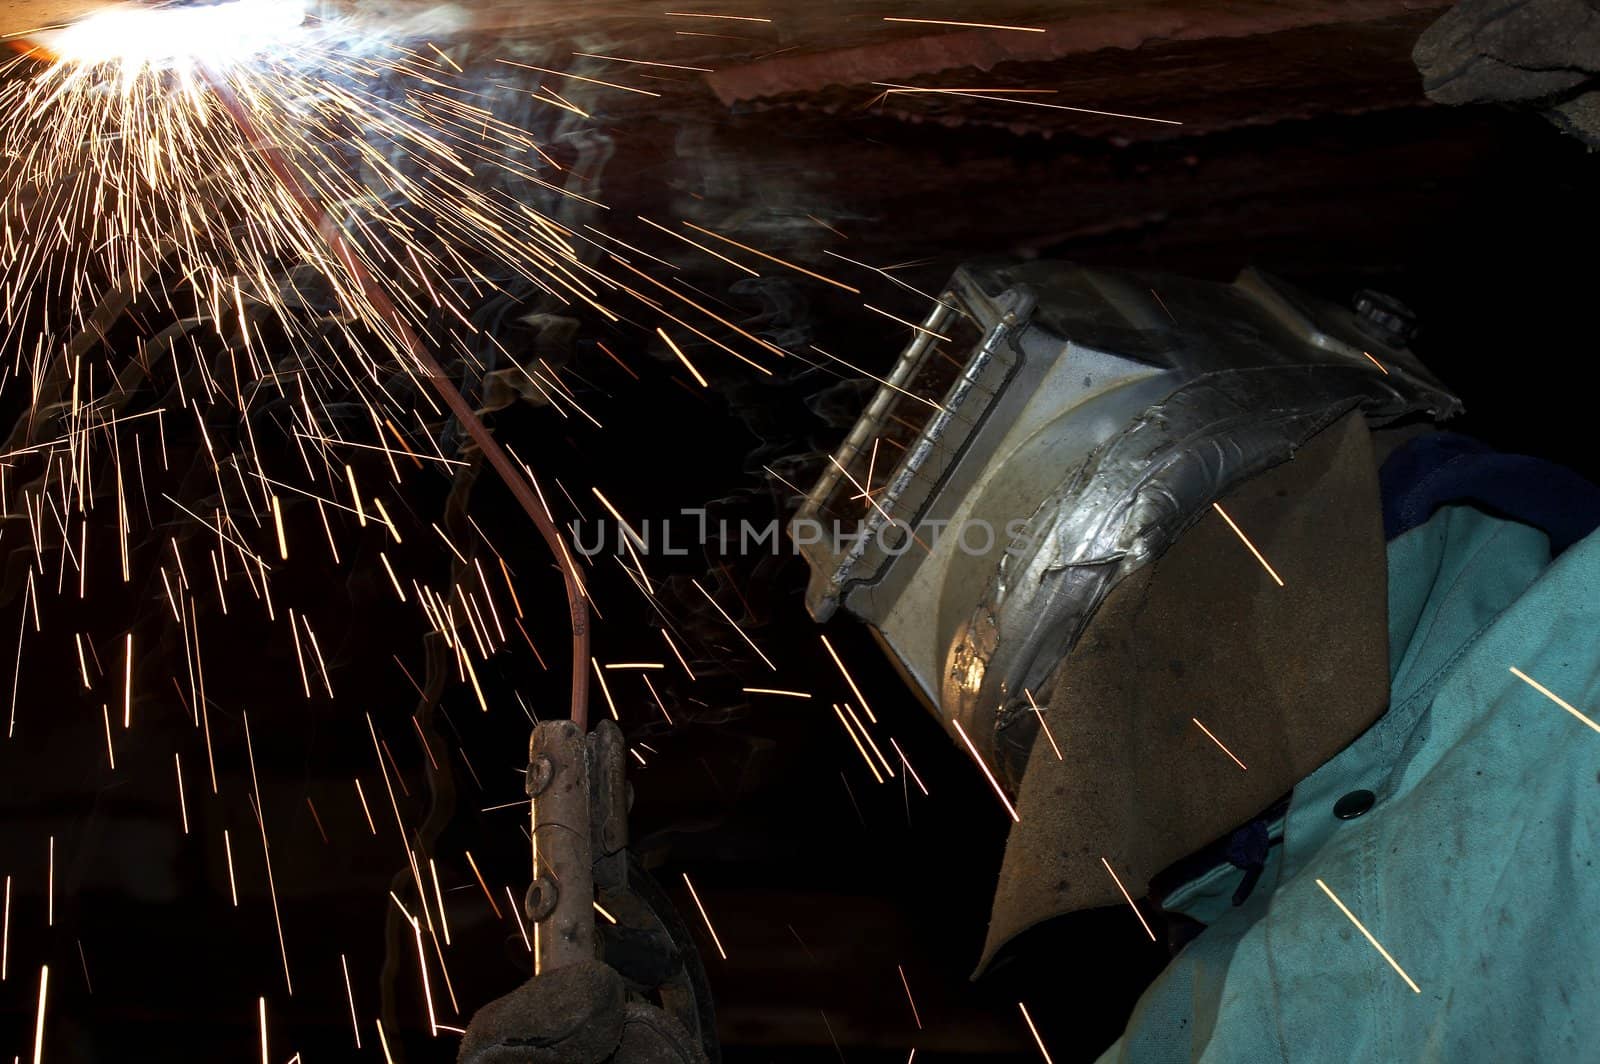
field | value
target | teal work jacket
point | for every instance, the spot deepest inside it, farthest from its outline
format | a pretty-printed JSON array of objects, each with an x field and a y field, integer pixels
[{"x": 1476, "y": 866}]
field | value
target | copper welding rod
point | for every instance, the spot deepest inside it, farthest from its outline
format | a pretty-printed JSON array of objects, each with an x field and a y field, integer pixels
[{"x": 317, "y": 217}]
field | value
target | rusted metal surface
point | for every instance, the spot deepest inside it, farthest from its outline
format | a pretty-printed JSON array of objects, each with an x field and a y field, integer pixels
[
  {"x": 608, "y": 805},
  {"x": 561, "y": 899},
  {"x": 19, "y": 16},
  {"x": 1096, "y": 28}
]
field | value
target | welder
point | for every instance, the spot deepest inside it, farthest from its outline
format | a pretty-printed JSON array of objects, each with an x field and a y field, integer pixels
[
  {"x": 1266, "y": 648},
  {"x": 1263, "y": 646}
]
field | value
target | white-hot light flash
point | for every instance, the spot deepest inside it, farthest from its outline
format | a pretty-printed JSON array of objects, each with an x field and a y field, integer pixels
[{"x": 140, "y": 37}]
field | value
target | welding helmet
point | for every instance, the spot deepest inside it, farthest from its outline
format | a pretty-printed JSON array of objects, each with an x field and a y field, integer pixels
[{"x": 1051, "y": 435}]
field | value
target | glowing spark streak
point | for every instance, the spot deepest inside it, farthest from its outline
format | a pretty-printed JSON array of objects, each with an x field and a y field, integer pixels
[
  {"x": 868, "y": 737},
  {"x": 1214, "y": 739},
  {"x": 299, "y": 655},
  {"x": 635, "y": 665},
  {"x": 427, "y": 990},
  {"x": 266, "y": 852},
  {"x": 438, "y": 951},
  {"x": 444, "y": 57},
  {"x": 659, "y": 704},
  {"x": 439, "y": 898},
  {"x": 384, "y": 1042},
  {"x": 383, "y": 513},
  {"x": 400, "y": 905},
  {"x": 333, "y": 548},
  {"x": 835, "y": 231},
  {"x": 966, "y": 25},
  {"x": 775, "y": 691},
  {"x": 563, "y": 103},
  {"x": 682, "y": 357},
  {"x": 416, "y": 459},
  {"x": 703, "y": 916},
  {"x": 675, "y": 653},
  {"x": 84, "y": 962},
  {"x": 736, "y": 628},
  {"x": 849, "y": 680},
  {"x": 233, "y": 886},
  {"x": 616, "y": 514},
  {"x": 252, "y": 555},
  {"x": 1039, "y": 1041},
  {"x": 317, "y": 650},
  {"x": 485, "y": 886},
  {"x": 580, "y": 77},
  {"x": 105, "y": 711},
  {"x": 5, "y": 932},
  {"x": 1246, "y": 541},
  {"x": 516, "y": 910},
  {"x": 1552, "y": 696},
  {"x": 317, "y": 819},
  {"x": 872, "y": 464},
  {"x": 765, "y": 345},
  {"x": 1375, "y": 362},
  {"x": 1025, "y": 103},
  {"x": 222, "y": 595},
  {"x": 990, "y": 91},
  {"x": 908, "y": 324},
  {"x": 277, "y": 520},
  {"x": 731, "y": 18},
  {"x": 38, "y": 1024},
  {"x": 488, "y": 596},
  {"x": 361, "y": 513},
  {"x": 392, "y": 578},
  {"x": 601, "y": 910},
  {"x": 636, "y": 251},
  {"x": 16, "y": 674},
  {"x": 998, "y": 790},
  {"x": 263, "y": 1010},
  {"x": 625, "y": 367},
  {"x": 183, "y": 805},
  {"x": 604, "y": 689},
  {"x": 1129, "y": 898},
  {"x": 876, "y": 775},
  {"x": 440, "y": 532},
  {"x": 511, "y": 589},
  {"x": 774, "y": 258},
  {"x": 387, "y": 451},
  {"x": 364, "y": 807},
  {"x": 127, "y": 685},
  {"x": 907, "y": 763},
  {"x": 1046, "y": 724},
  {"x": 1375, "y": 944},
  {"x": 646, "y": 62},
  {"x": 893, "y": 387},
  {"x": 702, "y": 247},
  {"x": 903, "y": 982},
  {"x": 350, "y": 993}
]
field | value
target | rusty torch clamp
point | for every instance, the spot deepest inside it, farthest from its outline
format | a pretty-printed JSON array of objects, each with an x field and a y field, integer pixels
[
  {"x": 577, "y": 808},
  {"x": 616, "y": 975}
]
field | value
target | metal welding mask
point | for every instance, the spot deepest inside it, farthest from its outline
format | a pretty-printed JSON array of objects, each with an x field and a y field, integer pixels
[{"x": 1048, "y": 436}]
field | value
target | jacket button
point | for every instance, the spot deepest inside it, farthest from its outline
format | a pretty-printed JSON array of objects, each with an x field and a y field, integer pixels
[{"x": 1353, "y": 804}]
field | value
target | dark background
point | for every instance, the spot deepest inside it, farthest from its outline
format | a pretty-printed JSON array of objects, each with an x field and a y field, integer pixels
[{"x": 1308, "y": 151}]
